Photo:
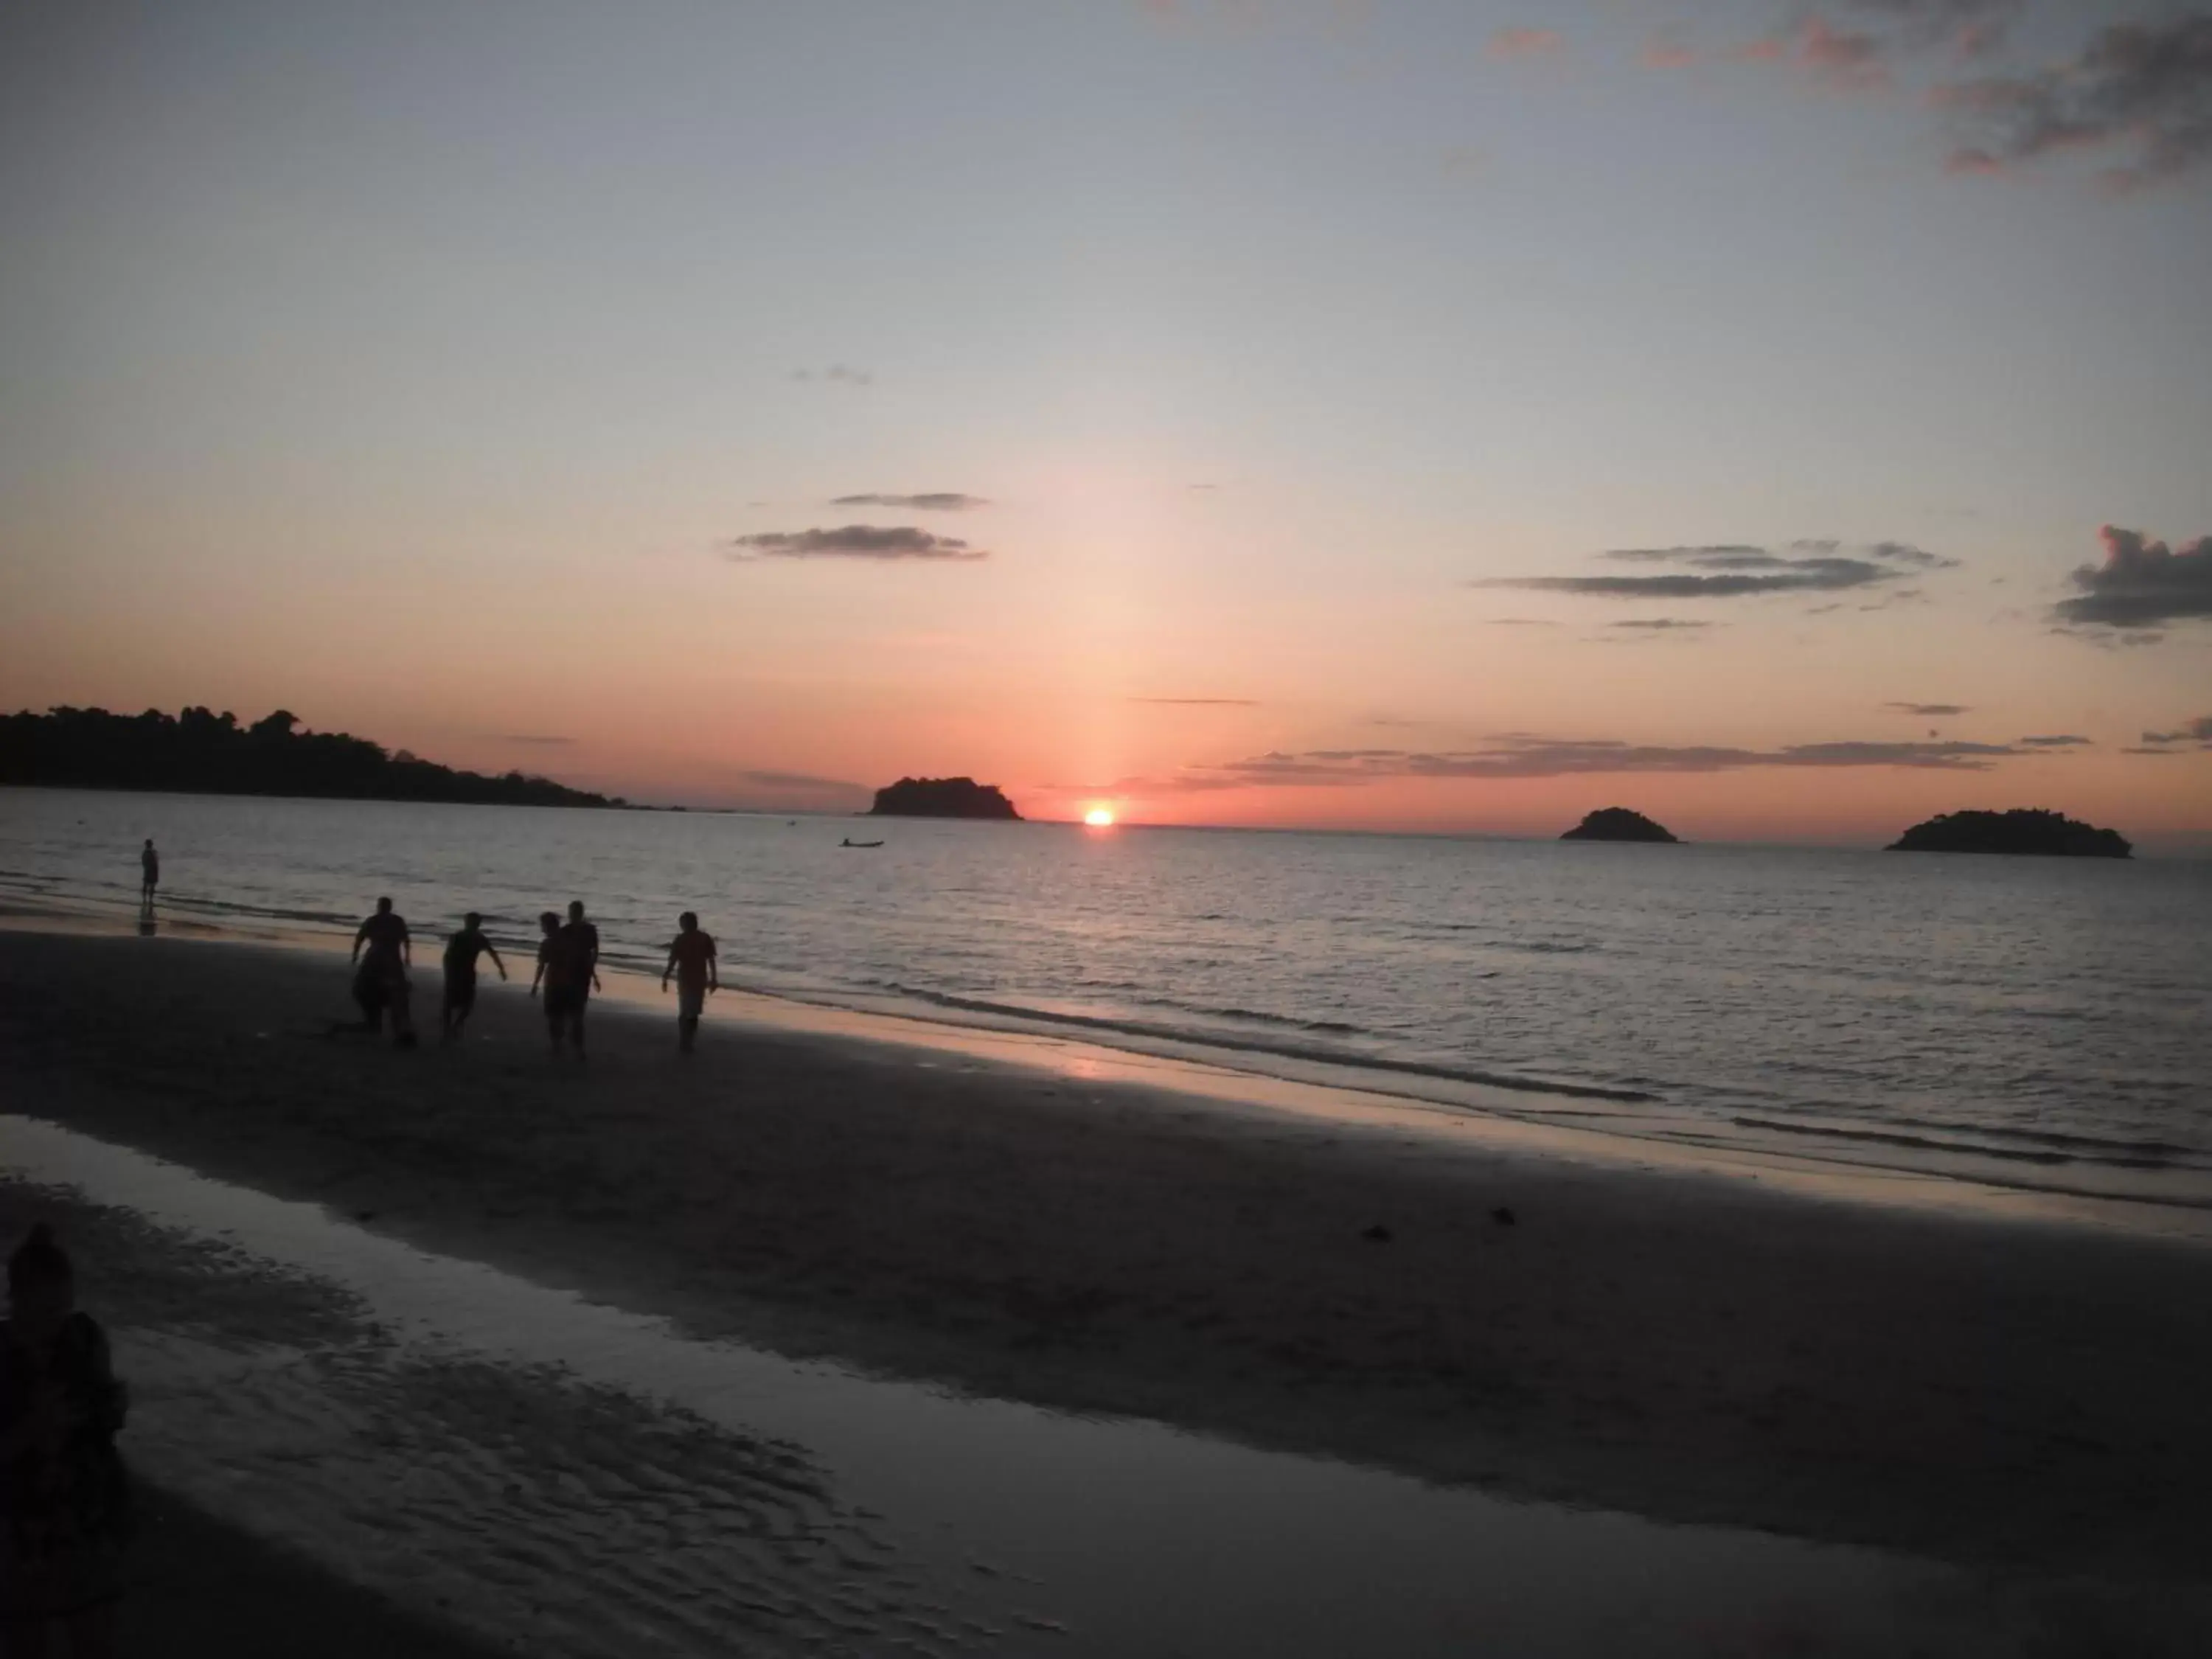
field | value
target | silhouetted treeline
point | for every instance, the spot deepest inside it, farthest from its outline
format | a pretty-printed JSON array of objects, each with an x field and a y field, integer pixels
[{"x": 200, "y": 753}]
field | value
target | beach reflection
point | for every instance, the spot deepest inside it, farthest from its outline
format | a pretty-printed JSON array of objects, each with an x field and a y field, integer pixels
[{"x": 592, "y": 1482}]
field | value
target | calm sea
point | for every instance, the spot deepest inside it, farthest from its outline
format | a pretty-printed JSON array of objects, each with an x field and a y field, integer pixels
[{"x": 2045, "y": 1023}]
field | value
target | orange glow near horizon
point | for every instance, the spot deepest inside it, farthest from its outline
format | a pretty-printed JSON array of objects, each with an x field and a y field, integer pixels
[{"x": 1099, "y": 818}]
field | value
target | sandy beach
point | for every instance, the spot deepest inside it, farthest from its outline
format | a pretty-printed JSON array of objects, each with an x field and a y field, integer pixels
[{"x": 1684, "y": 1346}]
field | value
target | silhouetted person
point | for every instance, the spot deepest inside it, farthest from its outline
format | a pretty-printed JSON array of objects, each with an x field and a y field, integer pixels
[
  {"x": 691, "y": 959},
  {"x": 65, "y": 1503},
  {"x": 462, "y": 951},
  {"x": 380, "y": 984},
  {"x": 556, "y": 974},
  {"x": 579, "y": 947},
  {"x": 150, "y": 873}
]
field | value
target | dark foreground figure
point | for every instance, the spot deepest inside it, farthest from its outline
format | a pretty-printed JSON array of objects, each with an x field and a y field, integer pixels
[
  {"x": 567, "y": 973},
  {"x": 380, "y": 980},
  {"x": 64, "y": 1504}
]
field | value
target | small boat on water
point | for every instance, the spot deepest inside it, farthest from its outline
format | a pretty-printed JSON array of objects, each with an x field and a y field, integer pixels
[{"x": 858, "y": 846}]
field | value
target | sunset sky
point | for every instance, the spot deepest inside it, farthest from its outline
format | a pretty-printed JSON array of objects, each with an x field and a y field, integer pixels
[{"x": 1412, "y": 414}]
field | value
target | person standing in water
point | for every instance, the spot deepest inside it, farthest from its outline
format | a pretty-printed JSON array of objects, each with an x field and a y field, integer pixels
[
  {"x": 64, "y": 1500},
  {"x": 691, "y": 959},
  {"x": 149, "y": 874},
  {"x": 462, "y": 951},
  {"x": 380, "y": 984}
]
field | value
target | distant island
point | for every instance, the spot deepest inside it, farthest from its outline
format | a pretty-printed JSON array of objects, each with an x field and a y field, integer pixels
[
  {"x": 943, "y": 798},
  {"x": 2021, "y": 830},
  {"x": 207, "y": 754},
  {"x": 1617, "y": 824}
]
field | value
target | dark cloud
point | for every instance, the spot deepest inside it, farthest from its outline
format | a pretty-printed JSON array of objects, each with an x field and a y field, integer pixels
[
  {"x": 2054, "y": 743},
  {"x": 2141, "y": 583},
  {"x": 1522, "y": 622},
  {"x": 1904, "y": 553},
  {"x": 1929, "y": 710},
  {"x": 1782, "y": 576},
  {"x": 855, "y": 541},
  {"x": 2198, "y": 732},
  {"x": 2140, "y": 91},
  {"x": 1661, "y": 624},
  {"x": 1200, "y": 703},
  {"x": 533, "y": 738},
  {"x": 1730, "y": 569},
  {"x": 941, "y": 500},
  {"x": 1727, "y": 556}
]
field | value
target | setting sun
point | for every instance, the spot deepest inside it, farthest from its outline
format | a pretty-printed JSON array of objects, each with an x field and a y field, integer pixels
[{"x": 1099, "y": 818}]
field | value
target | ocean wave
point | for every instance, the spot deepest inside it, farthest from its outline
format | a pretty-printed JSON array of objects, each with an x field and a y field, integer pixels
[
  {"x": 2056, "y": 1149},
  {"x": 1217, "y": 1039}
]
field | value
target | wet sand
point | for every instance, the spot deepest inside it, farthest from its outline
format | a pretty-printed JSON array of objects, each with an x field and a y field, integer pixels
[
  {"x": 204, "y": 1588},
  {"x": 1686, "y": 1347}
]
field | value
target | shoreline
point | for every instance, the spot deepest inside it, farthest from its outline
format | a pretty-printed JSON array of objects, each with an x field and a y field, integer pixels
[
  {"x": 1654, "y": 1340},
  {"x": 1816, "y": 1158}
]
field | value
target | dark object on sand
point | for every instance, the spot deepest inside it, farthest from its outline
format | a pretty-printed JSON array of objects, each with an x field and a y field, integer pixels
[
  {"x": 1503, "y": 1217},
  {"x": 1616, "y": 824},
  {"x": 1378, "y": 1234},
  {"x": 943, "y": 798},
  {"x": 2023, "y": 829},
  {"x": 859, "y": 846}
]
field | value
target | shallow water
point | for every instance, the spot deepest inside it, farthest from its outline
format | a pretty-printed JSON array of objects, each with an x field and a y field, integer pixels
[
  {"x": 585, "y": 1482},
  {"x": 2050, "y": 1019}
]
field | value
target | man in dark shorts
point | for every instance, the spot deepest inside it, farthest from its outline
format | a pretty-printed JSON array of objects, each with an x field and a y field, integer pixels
[
  {"x": 380, "y": 984},
  {"x": 691, "y": 959},
  {"x": 462, "y": 951},
  {"x": 150, "y": 873}
]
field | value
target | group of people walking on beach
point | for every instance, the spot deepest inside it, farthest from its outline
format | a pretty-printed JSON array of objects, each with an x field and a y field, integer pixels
[
  {"x": 568, "y": 969},
  {"x": 567, "y": 973}
]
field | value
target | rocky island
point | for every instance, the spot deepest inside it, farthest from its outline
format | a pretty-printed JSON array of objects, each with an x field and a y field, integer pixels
[
  {"x": 1617, "y": 824},
  {"x": 2023, "y": 829},
  {"x": 943, "y": 798}
]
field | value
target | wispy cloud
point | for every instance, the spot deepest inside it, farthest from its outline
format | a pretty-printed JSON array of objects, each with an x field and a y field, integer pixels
[
  {"x": 1526, "y": 43},
  {"x": 836, "y": 374},
  {"x": 1666, "y": 50},
  {"x": 1929, "y": 710},
  {"x": 802, "y": 780},
  {"x": 1522, "y": 622},
  {"x": 1529, "y": 755},
  {"x": 855, "y": 541},
  {"x": 1734, "y": 570},
  {"x": 2140, "y": 91},
  {"x": 939, "y": 500},
  {"x": 2061, "y": 742},
  {"x": 1662, "y": 625},
  {"x": 2142, "y": 584}
]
